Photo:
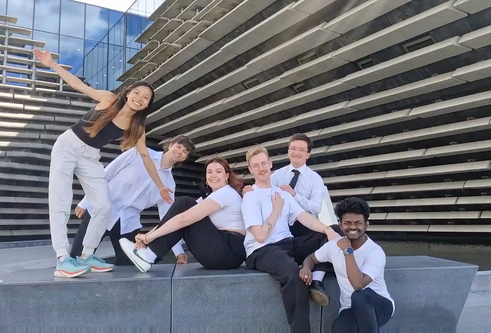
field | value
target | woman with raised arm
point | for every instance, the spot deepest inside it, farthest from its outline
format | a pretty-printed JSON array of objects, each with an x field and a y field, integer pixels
[
  {"x": 211, "y": 226},
  {"x": 77, "y": 151}
]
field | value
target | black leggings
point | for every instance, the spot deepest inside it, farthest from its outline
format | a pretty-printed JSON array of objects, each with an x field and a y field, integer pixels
[
  {"x": 114, "y": 235},
  {"x": 368, "y": 312},
  {"x": 212, "y": 248}
]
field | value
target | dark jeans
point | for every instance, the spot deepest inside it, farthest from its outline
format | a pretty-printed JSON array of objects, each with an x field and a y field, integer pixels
[
  {"x": 114, "y": 235},
  {"x": 369, "y": 311},
  {"x": 281, "y": 260},
  {"x": 212, "y": 248}
]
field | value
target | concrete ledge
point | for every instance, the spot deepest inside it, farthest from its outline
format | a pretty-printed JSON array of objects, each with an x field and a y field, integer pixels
[
  {"x": 65, "y": 304},
  {"x": 221, "y": 300},
  {"x": 429, "y": 294}
]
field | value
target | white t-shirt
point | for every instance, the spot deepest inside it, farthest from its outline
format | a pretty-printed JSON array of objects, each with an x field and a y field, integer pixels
[
  {"x": 370, "y": 259},
  {"x": 256, "y": 208},
  {"x": 230, "y": 216}
]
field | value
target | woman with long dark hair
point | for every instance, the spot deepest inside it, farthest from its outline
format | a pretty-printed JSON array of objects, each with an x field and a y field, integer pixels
[
  {"x": 77, "y": 151},
  {"x": 211, "y": 226}
]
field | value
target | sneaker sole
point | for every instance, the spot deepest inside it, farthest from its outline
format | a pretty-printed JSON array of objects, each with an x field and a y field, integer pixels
[
  {"x": 101, "y": 270},
  {"x": 130, "y": 256},
  {"x": 318, "y": 297},
  {"x": 64, "y": 274}
]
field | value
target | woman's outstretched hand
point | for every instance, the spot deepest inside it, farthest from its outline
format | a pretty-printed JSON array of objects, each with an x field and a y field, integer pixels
[{"x": 44, "y": 57}]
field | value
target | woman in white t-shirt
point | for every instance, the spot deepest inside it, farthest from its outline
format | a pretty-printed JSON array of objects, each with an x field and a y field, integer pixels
[{"x": 211, "y": 226}]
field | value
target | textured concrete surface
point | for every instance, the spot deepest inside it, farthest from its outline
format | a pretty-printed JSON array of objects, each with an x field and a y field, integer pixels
[
  {"x": 429, "y": 293},
  {"x": 118, "y": 300},
  {"x": 475, "y": 316},
  {"x": 230, "y": 301}
]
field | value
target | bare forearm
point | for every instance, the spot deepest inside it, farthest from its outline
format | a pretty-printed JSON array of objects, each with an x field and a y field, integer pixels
[
  {"x": 308, "y": 263},
  {"x": 315, "y": 225},
  {"x": 267, "y": 228},
  {"x": 149, "y": 165},
  {"x": 355, "y": 276}
]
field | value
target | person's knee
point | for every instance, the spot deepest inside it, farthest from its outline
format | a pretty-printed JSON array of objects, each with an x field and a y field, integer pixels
[
  {"x": 187, "y": 201},
  {"x": 358, "y": 297},
  {"x": 101, "y": 207}
]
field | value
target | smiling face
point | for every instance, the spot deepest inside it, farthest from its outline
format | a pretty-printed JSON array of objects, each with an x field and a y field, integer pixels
[
  {"x": 178, "y": 152},
  {"x": 260, "y": 167},
  {"x": 298, "y": 153},
  {"x": 138, "y": 98},
  {"x": 216, "y": 177},
  {"x": 353, "y": 225}
]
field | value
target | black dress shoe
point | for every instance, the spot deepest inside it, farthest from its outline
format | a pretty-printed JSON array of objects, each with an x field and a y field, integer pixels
[{"x": 318, "y": 294}]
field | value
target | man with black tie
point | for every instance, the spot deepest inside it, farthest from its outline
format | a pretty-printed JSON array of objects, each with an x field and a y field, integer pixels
[{"x": 307, "y": 188}]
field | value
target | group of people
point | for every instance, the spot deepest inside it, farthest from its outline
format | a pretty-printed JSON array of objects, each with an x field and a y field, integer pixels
[{"x": 272, "y": 225}]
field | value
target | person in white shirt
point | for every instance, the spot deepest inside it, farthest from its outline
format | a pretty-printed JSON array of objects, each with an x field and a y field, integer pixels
[
  {"x": 211, "y": 226},
  {"x": 359, "y": 264},
  {"x": 131, "y": 191},
  {"x": 270, "y": 246}
]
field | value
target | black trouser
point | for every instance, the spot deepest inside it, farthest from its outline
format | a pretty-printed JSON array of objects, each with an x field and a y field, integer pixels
[
  {"x": 281, "y": 260},
  {"x": 212, "y": 248},
  {"x": 114, "y": 235},
  {"x": 368, "y": 312}
]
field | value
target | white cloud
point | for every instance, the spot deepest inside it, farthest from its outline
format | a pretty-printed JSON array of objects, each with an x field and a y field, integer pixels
[{"x": 119, "y": 5}]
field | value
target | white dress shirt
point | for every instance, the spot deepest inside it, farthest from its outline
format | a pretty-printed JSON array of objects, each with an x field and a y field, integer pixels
[
  {"x": 132, "y": 190},
  {"x": 309, "y": 190}
]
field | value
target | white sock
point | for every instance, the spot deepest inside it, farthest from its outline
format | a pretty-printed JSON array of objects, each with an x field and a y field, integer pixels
[
  {"x": 147, "y": 254},
  {"x": 318, "y": 275},
  {"x": 63, "y": 258}
]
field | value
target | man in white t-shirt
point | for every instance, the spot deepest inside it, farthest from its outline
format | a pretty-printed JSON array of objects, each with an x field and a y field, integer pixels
[
  {"x": 270, "y": 247},
  {"x": 359, "y": 264}
]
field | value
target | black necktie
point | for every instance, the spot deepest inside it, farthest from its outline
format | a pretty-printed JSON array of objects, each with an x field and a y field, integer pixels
[{"x": 294, "y": 180}]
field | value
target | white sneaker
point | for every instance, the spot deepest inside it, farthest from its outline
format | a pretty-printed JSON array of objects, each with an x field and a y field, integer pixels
[{"x": 128, "y": 248}]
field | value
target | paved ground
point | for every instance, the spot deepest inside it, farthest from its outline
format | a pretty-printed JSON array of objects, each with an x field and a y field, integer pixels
[{"x": 475, "y": 317}]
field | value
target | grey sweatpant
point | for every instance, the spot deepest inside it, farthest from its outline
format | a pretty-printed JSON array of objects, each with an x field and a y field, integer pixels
[{"x": 69, "y": 156}]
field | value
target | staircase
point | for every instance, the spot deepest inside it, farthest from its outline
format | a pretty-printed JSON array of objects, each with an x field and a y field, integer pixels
[{"x": 35, "y": 108}]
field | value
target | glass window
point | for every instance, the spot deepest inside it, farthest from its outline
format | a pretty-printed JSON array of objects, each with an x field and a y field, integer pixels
[
  {"x": 72, "y": 18},
  {"x": 114, "y": 16},
  {"x": 23, "y": 10},
  {"x": 89, "y": 45},
  {"x": 134, "y": 26},
  {"x": 50, "y": 39},
  {"x": 71, "y": 51},
  {"x": 114, "y": 50},
  {"x": 47, "y": 15},
  {"x": 115, "y": 70},
  {"x": 96, "y": 22},
  {"x": 116, "y": 34},
  {"x": 3, "y": 6}
]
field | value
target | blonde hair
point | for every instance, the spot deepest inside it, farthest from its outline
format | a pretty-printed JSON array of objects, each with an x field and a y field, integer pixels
[{"x": 256, "y": 150}]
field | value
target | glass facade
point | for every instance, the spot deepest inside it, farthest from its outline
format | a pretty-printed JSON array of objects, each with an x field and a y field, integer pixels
[
  {"x": 67, "y": 27},
  {"x": 108, "y": 58},
  {"x": 95, "y": 41}
]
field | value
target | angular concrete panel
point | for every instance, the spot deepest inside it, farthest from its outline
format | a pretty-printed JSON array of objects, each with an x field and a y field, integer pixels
[
  {"x": 236, "y": 17},
  {"x": 407, "y": 29},
  {"x": 263, "y": 31},
  {"x": 313, "y": 68},
  {"x": 215, "y": 60},
  {"x": 417, "y": 59},
  {"x": 228, "y": 80},
  {"x": 202, "y": 299},
  {"x": 294, "y": 47},
  {"x": 440, "y": 169},
  {"x": 452, "y": 105},
  {"x": 477, "y": 39},
  {"x": 474, "y": 72},
  {"x": 362, "y": 14},
  {"x": 257, "y": 91},
  {"x": 311, "y": 6},
  {"x": 410, "y": 90},
  {"x": 472, "y": 6}
]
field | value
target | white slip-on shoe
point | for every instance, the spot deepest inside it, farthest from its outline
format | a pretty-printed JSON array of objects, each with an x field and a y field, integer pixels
[{"x": 131, "y": 252}]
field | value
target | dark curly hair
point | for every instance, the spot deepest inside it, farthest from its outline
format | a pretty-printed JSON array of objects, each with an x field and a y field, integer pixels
[{"x": 353, "y": 206}]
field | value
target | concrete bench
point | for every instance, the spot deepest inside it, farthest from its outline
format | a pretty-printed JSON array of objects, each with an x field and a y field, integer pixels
[{"x": 430, "y": 294}]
